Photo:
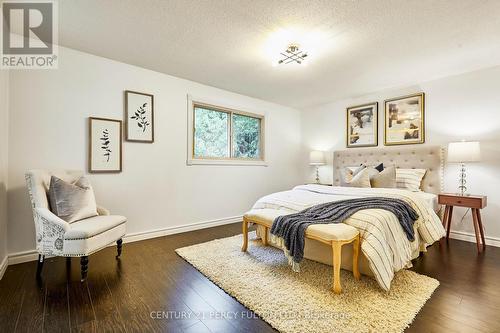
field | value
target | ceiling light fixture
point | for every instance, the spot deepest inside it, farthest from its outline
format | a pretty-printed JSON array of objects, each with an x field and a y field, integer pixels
[{"x": 292, "y": 54}]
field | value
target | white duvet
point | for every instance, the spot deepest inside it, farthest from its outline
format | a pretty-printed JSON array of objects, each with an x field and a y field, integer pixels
[{"x": 383, "y": 241}]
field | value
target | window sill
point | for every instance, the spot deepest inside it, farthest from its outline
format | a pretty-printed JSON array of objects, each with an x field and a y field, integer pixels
[{"x": 226, "y": 162}]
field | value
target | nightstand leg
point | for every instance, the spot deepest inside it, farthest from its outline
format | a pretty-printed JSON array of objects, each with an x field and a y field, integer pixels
[
  {"x": 476, "y": 229},
  {"x": 450, "y": 215},
  {"x": 445, "y": 216},
  {"x": 481, "y": 227}
]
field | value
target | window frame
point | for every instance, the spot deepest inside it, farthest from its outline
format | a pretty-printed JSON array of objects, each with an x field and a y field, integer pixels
[{"x": 192, "y": 160}]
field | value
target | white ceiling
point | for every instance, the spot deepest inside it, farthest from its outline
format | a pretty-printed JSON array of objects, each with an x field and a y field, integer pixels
[{"x": 364, "y": 46}]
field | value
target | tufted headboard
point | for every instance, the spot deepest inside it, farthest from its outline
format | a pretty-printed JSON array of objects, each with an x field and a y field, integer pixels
[{"x": 417, "y": 157}]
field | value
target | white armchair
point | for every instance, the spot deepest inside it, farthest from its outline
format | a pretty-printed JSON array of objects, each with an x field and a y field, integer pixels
[{"x": 56, "y": 237}]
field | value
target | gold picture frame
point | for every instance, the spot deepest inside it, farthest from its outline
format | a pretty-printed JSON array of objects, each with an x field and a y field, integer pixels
[
  {"x": 404, "y": 120},
  {"x": 362, "y": 125}
]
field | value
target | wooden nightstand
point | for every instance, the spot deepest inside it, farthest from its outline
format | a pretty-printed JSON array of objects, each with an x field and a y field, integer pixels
[{"x": 474, "y": 202}]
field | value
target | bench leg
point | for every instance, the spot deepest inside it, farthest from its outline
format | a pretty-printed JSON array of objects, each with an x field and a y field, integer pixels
[
  {"x": 355, "y": 258},
  {"x": 337, "y": 255},
  {"x": 264, "y": 237},
  {"x": 245, "y": 236}
]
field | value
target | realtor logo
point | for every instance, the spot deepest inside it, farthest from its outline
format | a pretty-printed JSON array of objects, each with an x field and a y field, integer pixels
[{"x": 29, "y": 35}]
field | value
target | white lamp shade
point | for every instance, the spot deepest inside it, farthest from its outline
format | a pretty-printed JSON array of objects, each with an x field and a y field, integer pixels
[
  {"x": 317, "y": 157},
  {"x": 461, "y": 152}
]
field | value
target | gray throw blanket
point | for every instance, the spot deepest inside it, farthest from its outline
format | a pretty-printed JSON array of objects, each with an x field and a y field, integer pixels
[{"x": 292, "y": 228}]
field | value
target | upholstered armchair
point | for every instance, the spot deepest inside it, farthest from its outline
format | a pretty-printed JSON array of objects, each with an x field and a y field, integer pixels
[{"x": 56, "y": 237}]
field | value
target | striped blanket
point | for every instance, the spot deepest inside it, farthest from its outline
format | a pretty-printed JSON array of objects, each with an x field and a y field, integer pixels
[{"x": 383, "y": 241}]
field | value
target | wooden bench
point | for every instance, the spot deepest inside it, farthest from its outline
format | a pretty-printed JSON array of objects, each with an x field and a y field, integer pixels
[{"x": 335, "y": 235}]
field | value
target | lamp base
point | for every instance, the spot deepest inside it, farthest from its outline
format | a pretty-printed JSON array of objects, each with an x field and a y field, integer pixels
[{"x": 462, "y": 182}]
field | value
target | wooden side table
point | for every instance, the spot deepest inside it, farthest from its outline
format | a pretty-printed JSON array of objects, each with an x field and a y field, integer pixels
[{"x": 475, "y": 203}]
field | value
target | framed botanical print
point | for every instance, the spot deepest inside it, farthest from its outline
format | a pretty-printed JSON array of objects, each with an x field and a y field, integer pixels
[
  {"x": 404, "y": 120},
  {"x": 362, "y": 125},
  {"x": 139, "y": 117},
  {"x": 105, "y": 145}
]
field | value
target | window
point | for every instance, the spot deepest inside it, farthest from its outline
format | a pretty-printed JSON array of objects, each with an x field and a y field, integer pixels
[{"x": 225, "y": 136}]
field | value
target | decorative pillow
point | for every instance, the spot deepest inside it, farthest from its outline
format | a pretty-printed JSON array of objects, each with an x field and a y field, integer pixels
[
  {"x": 379, "y": 167},
  {"x": 385, "y": 179},
  {"x": 72, "y": 202},
  {"x": 361, "y": 179},
  {"x": 372, "y": 172},
  {"x": 410, "y": 179},
  {"x": 356, "y": 169}
]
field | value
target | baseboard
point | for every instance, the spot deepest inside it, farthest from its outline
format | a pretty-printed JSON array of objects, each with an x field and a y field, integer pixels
[
  {"x": 138, "y": 236},
  {"x": 25, "y": 256},
  {"x": 470, "y": 237},
  {"x": 3, "y": 266}
]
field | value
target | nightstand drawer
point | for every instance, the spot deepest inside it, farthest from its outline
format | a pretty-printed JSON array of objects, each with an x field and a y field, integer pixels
[{"x": 463, "y": 201}]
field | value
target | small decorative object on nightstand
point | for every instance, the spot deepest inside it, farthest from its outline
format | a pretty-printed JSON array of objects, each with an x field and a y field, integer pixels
[
  {"x": 461, "y": 152},
  {"x": 475, "y": 203},
  {"x": 317, "y": 158}
]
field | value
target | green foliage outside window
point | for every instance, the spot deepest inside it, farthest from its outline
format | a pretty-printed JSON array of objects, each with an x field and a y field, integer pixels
[
  {"x": 211, "y": 133},
  {"x": 211, "y": 138},
  {"x": 246, "y": 136}
]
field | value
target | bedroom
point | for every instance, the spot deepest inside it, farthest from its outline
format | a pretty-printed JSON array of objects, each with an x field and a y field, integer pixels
[{"x": 226, "y": 129}]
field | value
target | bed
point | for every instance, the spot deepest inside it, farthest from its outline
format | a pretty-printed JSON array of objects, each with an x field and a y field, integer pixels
[{"x": 384, "y": 247}]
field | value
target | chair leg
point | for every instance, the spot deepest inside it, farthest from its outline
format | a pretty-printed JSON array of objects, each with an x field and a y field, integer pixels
[
  {"x": 39, "y": 266},
  {"x": 84, "y": 262},
  {"x": 119, "y": 248}
]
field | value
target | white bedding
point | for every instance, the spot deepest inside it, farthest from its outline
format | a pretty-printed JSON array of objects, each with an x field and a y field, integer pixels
[
  {"x": 430, "y": 199},
  {"x": 383, "y": 241}
]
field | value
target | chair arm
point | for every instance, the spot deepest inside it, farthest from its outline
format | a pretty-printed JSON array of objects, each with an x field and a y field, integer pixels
[
  {"x": 50, "y": 232},
  {"x": 102, "y": 211},
  {"x": 49, "y": 217}
]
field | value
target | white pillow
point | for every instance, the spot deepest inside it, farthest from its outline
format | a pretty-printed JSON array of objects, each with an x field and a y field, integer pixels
[
  {"x": 410, "y": 179},
  {"x": 360, "y": 179},
  {"x": 72, "y": 201}
]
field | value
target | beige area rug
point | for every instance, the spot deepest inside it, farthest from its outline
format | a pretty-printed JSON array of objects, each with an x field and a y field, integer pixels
[{"x": 303, "y": 302}]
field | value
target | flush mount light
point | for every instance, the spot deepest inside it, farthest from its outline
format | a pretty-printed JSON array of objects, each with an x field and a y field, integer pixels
[{"x": 292, "y": 55}]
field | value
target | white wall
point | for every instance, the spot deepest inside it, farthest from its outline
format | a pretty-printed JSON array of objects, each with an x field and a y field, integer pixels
[
  {"x": 465, "y": 106},
  {"x": 4, "y": 130},
  {"x": 48, "y": 129}
]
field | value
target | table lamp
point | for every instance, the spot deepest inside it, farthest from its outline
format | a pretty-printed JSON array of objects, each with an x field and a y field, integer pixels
[
  {"x": 317, "y": 158},
  {"x": 462, "y": 152}
]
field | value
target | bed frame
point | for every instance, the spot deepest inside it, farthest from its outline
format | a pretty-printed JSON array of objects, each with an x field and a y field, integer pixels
[{"x": 415, "y": 157}]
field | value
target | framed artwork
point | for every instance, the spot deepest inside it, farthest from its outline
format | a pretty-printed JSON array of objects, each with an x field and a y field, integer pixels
[
  {"x": 105, "y": 145},
  {"x": 139, "y": 117},
  {"x": 362, "y": 125},
  {"x": 404, "y": 120}
]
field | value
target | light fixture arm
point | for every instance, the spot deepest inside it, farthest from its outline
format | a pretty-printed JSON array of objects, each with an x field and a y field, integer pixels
[{"x": 292, "y": 54}]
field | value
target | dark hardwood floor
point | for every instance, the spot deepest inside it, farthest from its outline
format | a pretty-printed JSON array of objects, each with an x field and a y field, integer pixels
[{"x": 151, "y": 289}]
